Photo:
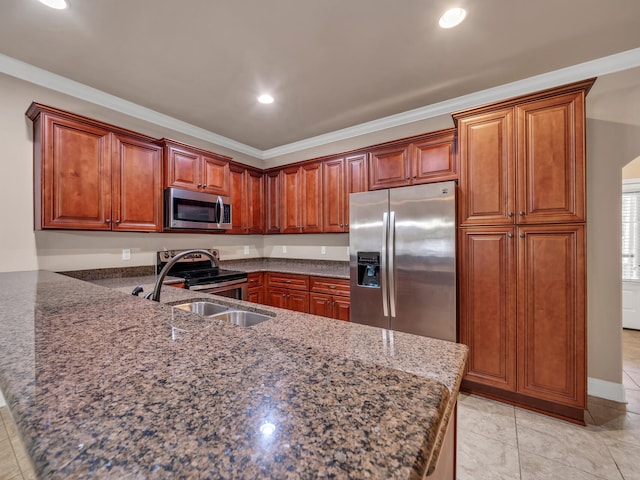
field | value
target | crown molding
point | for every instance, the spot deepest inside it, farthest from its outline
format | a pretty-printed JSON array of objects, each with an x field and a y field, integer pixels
[
  {"x": 53, "y": 81},
  {"x": 602, "y": 66}
]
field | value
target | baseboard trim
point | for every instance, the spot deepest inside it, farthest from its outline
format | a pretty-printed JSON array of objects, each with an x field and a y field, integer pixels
[{"x": 607, "y": 390}]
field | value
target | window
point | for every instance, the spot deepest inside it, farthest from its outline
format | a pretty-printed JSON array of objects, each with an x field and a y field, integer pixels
[{"x": 631, "y": 231}]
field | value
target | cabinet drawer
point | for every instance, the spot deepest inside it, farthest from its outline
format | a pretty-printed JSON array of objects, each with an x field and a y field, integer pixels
[
  {"x": 332, "y": 286},
  {"x": 255, "y": 279},
  {"x": 288, "y": 280}
]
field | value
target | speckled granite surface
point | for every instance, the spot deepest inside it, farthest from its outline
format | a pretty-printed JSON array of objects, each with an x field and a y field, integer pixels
[{"x": 104, "y": 384}]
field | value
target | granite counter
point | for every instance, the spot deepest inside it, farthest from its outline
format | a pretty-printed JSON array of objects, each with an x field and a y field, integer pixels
[{"x": 104, "y": 384}]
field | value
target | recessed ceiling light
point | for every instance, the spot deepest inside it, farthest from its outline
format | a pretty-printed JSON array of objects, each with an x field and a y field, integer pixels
[
  {"x": 452, "y": 17},
  {"x": 57, "y": 4},
  {"x": 265, "y": 98}
]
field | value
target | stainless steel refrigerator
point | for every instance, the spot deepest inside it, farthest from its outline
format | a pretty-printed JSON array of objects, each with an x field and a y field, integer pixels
[{"x": 402, "y": 246}]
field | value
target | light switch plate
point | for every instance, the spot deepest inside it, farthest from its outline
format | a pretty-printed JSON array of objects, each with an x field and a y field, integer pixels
[
  {"x": 126, "y": 254},
  {"x": 284, "y": 249},
  {"x": 246, "y": 249},
  {"x": 323, "y": 250}
]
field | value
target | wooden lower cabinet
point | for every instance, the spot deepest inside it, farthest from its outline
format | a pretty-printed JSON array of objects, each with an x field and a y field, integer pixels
[
  {"x": 329, "y": 297},
  {"x": 255, "y": 288},
  {"x": 287, "y": 298},
  {"x": 522, "y": 314}
]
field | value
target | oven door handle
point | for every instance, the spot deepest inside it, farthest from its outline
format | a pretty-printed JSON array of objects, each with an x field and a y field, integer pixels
[{"x": 217, "y": 285}]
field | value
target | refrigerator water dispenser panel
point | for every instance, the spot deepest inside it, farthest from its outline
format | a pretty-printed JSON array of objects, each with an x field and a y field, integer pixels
[{"x": 369, "y": 269}]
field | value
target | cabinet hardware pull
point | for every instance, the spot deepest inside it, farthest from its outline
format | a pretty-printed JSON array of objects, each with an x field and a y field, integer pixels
[
  {"x": 510, "y": 214},
  {"x": 117, "y": 222},
  {"x": 521, "y": 213},
  {"x": 510, "y": 235},
  {"x": 406, "y": 178},
  {"x": 415, "y": 176},
  {"x": 522, "y": 235},
  {"x": 108, "y": 220},
  {"x": 204, "y": 186},
  {"x": 199, "y": 185}
]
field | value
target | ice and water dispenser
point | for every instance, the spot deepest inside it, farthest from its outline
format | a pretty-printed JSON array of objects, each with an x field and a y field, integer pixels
[{"x": 369, "y": 269}]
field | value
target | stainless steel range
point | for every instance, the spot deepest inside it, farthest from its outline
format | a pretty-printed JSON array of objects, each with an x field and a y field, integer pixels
[{"x": 200, "y": 275}]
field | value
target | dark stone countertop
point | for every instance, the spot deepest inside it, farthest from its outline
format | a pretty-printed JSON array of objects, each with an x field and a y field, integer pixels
[{"x": 103, "y": 384}]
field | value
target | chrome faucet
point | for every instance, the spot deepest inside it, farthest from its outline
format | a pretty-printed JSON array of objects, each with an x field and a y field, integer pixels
[{"x": 155, "y": 294}]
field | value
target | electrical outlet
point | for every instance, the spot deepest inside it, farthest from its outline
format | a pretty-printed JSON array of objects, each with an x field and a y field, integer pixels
[
  {"x": 246, "y": 249},
  {"x": 126, "y": 254},
  {"x": 284, "y": 249},
  {"x": 323, "y": 250}
]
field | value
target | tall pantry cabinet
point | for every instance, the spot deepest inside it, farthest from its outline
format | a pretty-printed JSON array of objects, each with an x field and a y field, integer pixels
[{"x": 522, "y": 252}]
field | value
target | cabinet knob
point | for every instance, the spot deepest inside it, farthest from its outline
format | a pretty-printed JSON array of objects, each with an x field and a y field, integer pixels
[
  {"x": 341, "y": 225},
  {"x": 199, "y": 185},
  {"x": 510, "y": 235},
  {"x": 415, "y": 176},
  {"x": 108, "y": 220},
  {"x": 522, "y": 235},
  {"x": 521, "y": 213},
  {"x": 332, "y": 286},
  {"x": 510, "y": 214},
  {"x": 117, "y": 222},
  {"x": 204, "y": 186},
  {"x": 406, "y": 178},
  {"x": 346, "y": 225}
]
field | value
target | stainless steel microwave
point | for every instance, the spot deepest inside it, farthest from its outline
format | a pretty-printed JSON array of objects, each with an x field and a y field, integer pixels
[{"x": 184, "y": 209}]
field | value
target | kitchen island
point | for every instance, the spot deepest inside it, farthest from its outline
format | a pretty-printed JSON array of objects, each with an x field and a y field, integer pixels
[{"x": 104, "y": 384}]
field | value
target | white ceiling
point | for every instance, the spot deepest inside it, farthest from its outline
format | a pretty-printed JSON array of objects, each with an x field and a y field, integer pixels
[{"x": 331, "y": 64}]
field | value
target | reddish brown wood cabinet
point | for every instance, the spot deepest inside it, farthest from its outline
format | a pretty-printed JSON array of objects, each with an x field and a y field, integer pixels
[
  {"x": 341, "y": 177},
  {"x": 194, "y": 169},
  {"x": 329, "y": 297},
  {"x": 247, "y": 197},
  {"x": 92, "y": 176},
  {"x": 301, "y": 208},
  {"x": 273, "y": 201},
  {"x": 290, "y": 291},
  {"x": 255, "y": 288},
  {"x": 522, "y": 250},
  {"x": 425, "y": 159}
]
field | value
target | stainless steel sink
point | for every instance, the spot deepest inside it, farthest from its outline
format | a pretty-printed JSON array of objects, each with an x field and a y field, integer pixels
[
  {"x": 241, "y": 317},
  {"x": 206, "y": 309}
]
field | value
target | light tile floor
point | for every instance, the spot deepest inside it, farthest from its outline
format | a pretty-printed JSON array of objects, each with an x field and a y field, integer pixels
[{"x": 497, "y": 441}]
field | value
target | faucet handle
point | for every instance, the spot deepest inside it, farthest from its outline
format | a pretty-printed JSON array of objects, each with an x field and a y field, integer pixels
[{"x": 137, "y": 291}]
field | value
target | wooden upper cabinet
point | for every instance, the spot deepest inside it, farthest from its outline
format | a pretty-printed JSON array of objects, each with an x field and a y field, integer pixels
[
  {"x": 551, "y": 160},
  {"x": 137, "y": 185},
  {"x": 334, "y": 195},
  {"x": 194, "y": 169},
  {"x": 487, "y": 266},
  {"x": 356, "y": 173},
  {"x": 73, "y": 165},
  {"x": 389, "y": 167},
  {"x": 301, "y": 209},
  {"x": 487, "y": 168},
  {"x": 247, "y": 193},
  {"x": 273, "y": 201},
  {"x": 433, "y": 159},
  {"x": 91, "y": 176},
  {"x": 551, "y": 313}
]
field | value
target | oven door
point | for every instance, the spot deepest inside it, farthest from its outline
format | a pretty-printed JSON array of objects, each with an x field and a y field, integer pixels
[{"x": 232, "y": 288}]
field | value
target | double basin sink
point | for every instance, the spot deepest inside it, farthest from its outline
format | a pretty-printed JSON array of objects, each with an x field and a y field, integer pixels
[{"x": 223, "y": 313}]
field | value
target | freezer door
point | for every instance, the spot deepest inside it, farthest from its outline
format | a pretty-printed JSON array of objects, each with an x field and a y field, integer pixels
[
  {"x": 368, "y": 215},
  {"x": 422, "y": 260}
]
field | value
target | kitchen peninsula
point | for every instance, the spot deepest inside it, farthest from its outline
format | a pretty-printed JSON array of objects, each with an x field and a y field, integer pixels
[{"x": 104, "y": 384}]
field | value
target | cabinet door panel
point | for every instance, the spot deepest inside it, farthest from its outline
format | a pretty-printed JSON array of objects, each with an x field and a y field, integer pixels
[
  {"x": 341, "y": 308},
  {"x": 487, "y": 168},
  {"x": 434, "y": 160},
  {"x": 273, "y": 201},
  {"x": 238, "y": 201},
  {"x": 298, "y": 301},
  {"x": 76, "y": 176},
  {"x": 311, "y": 198},
  {"x": 551, "y": 313},
  {"x": 255, "y": 295},
  {"x": 291, "y": 217},
  {"x": 389, "y": 167},
  {"x": 215, "y": 176},
  {"x": 333, "y": 186},
  {"x": 254, "y": 202},
  {"x": 551, "y": 160},
  {"x": 137, "y": 185},
  {"x": 183, "y": 169},
  {"x": 356, "y": 178},
  {"x": 320, "y": 304},
  {"x": 488, "y": 304},
  {"x": 277, "y": 297}
]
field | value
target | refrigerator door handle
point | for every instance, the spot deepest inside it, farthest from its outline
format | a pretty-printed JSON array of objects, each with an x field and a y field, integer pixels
[
  {"x": 383, "y": 265},
  {"x": 392, "y": 269}
]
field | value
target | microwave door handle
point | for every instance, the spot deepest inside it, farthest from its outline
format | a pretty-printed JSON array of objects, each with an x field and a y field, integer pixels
[{"x": 219, "y": 211}]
